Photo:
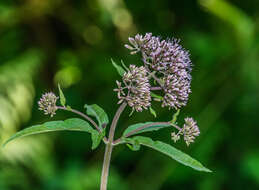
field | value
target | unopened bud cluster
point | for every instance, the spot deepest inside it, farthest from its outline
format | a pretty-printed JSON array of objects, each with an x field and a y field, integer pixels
[
  {"x": 171, "y": 64},
  {"x": 47, "y": 103},
  {"x": 189, "y": 131},
  {"x": 135, "y": 89}
]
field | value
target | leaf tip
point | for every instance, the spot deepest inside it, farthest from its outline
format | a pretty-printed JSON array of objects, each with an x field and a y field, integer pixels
[
  {"x": 207, "y": 170},
  {"x": 152, "y": 111},
  {"x": 61, "y": 95},
  {"x": 5, "y": 143},
  {"x": 119, "y": 69}
]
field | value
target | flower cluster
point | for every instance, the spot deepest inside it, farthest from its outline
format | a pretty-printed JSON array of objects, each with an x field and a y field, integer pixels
[
  {"x": 167, "y": 64},
  {"x": 171, "y": 64},
  {"x": 136, "y": 89},
  {"x": 176, "y": 91},
  {"x": 189, "y": 131},
  {"x": 165, "y": 56},
  {"x": 47, "y": 103}
]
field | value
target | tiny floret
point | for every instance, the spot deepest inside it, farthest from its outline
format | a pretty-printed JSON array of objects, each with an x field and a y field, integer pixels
[
  {"x": 47, "y": 103},
  {"x": 175, "y": 137},
  {"x": 190, "y": 130},
  {"x": 135, "y": 89}
]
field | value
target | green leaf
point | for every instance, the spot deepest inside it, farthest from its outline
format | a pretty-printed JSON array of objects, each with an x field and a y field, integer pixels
[
  {"x": 132, "y": 144},
  {"x": 73, "y": 124},
  {"x": 69, "y": 108},
  {"x": 152, "y": 111},
  {"x": 119, "y": 69},
  {"x": 97, "y": 138},
  {"x": 131, "y": 113},
  {"x": 132, "y": 128},
  {"x": 98, "y": 113},
  {"x": 175, "y": 116},
  {"x": 134, "y": 147},
  {"x": 171, "y": 152},
  {"x": 62, "y": 97},
  {"x": 123, "y": 64},
  {"x": 156, "y": 97}
]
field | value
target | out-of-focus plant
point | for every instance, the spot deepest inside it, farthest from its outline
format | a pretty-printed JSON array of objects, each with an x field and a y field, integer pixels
[{"x": 165, "y": 76}]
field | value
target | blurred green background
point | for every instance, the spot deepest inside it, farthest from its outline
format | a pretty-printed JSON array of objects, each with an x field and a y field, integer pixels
[{"x": 71, "y": 42}]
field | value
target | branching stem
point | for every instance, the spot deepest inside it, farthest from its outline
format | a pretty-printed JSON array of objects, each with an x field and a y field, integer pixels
[
  {"x": 109, "y": 147},
  {"x": 156, "y": 88},
  {"x": 118, "y": 141},
  {"x": 85, "y": 117}
]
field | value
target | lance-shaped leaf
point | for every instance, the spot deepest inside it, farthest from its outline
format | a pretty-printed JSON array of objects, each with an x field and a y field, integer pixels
[
  {"x": 62, "y": 97},
  {"x": 124, "y": 66},
  {"x": 144, "y": 127},
  {"x": 156, "y": 97},
  {"x": 97, "y": 112},
  {"x": 119, "y": 69},
  {"x": 73, "y": 124},
  {"x": 169, "y": 151},
  {"x": 152, "y": 111},
  {"x": 175, "y": 116}
]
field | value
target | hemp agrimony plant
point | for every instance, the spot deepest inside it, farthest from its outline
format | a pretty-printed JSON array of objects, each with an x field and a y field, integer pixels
[{"x": 164, "y": 76}]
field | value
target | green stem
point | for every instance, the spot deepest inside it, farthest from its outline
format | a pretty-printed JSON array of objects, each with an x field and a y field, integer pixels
[
  {"x": 118, "y": 141},
  {"x": 85, "y": 117},
  {"x": 109, "y": 147},
  {"x": 106, "y": 166},
  {"x": 153, "y": 75}
]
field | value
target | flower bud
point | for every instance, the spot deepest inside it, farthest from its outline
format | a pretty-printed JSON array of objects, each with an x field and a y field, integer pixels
[
  {"x": 47, "y": 103},
  {"x": 190, "y": 130}
]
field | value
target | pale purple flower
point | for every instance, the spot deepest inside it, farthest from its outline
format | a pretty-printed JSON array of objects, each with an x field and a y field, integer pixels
[
  {"x": 177, "y": 90},
  {"x": 164, "y": 56},
  {"x": 169, "y": 62},
  {"x": 135, "y": 89}
]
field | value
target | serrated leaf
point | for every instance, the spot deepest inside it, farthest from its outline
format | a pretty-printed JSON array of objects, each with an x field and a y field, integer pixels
[
  {"x": 152, "y": 127},
  {"x": 73, "y": 124},
  {"x": 97, "y": 112},
  {"x": 62, "y": 97},
  {"x": 119, "y": 69},
  {"x": 171, "y": 152},
  {"x": 97, "y": 138},
  {"x": 152, "y": 111}
]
